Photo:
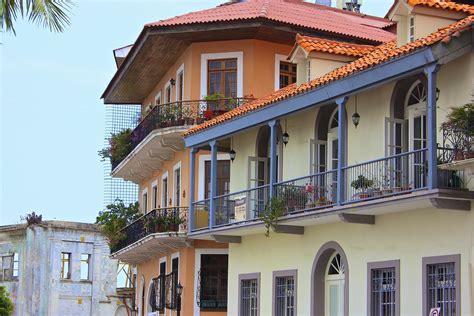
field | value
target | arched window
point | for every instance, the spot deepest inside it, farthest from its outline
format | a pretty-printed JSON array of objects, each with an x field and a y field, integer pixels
[{"x": 416, "y": 94}]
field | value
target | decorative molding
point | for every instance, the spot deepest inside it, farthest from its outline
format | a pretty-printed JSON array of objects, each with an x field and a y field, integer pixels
[
  {"x": 357, "y": 218},
  {"x": 227, "y": 239}
]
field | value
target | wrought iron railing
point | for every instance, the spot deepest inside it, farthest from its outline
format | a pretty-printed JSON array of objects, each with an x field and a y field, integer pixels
[
  {"x": 208, "y": 295},
  {"x": 171, "y": 294},
  {"x": 180, "y": 113},
  {"x": 171, "y": 219},
  {"x": 457, "y": 144},
  {"x": 398, "y": 174},
  {"x": 157, "y": 298}
]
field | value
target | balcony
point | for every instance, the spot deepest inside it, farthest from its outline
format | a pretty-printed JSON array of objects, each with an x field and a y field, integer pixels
[
  {"x": 158, "y": 136},
  {"x": 387, "y": 184},
  {"x": 161, "y": 229}
]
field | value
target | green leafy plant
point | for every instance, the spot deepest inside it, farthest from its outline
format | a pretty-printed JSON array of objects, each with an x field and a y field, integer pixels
[
  {"x": 362, "y": 183},
  {"x": 273, "y": 211},
  {"x": 119, "y": 147},
  {"x": 114, "y": 218},
  {"x": 32, "y": 219},
  {"x": 6, "y": 304},
  {"x": 462, "y": 119}
]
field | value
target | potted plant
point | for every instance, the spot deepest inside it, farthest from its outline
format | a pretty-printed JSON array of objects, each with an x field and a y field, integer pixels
[
  {"x": 362, "y": 184},
  {"x": 273, "y": 211},
  {"x": 119, "y": 147},
  {"x": 460, "y": 123}
]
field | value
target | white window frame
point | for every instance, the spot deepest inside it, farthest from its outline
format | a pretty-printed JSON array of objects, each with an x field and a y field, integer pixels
[
  {"x": 278, "y": 58},
  {"x": 144, "y": 191},
  {"x": 180, "y": 70},
  {"x": 154, "y": 184},
  {"x": 89, "y": 266},
  {"x": 163, "y": 177},
  {"x": 240, "y": 70},
  {"x": 176, "y": 167},
  {"x": 197, "y": 267},
  {"x": 168, "y": 85},
  {"x": 202, "y": 171},
  {"x": 411, "y": 26},
  {"x": 174, "y": 256}
]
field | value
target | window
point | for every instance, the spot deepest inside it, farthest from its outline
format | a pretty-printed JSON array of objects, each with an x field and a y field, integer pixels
[
  {"x": 180, "y": 86},
  {"x": 154, "y": 196},
  {"x": 284, "y": 300},
  {"x": 175, "y": 265},
  {"x": 158, "y": 98},
  {"x": 411, "y": 29},
  {"x": 168, "y": 93},
  {"x": 223, "y": 178},
  {"x": 213, "y": 282},
  {"x": 249, "y": 294},
  {"x": 9, "y": 267},
  {"x": 145, "y": 202},
  {"x": 164, "y": 191},
  {"x": 383, "y": 288},
  {"x": 441, "y": 288},
  {"x": 287, "y": 74},
  {"x": 162, "y": 292},
  {"x": 65, "y": 265},
  {"x": 177, "y": 186},
  {"x": 222, "y": 77},
  {"x": 85, "y": 265}
]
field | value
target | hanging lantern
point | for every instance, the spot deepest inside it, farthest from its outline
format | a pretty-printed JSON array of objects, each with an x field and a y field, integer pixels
[
  {"x": 232, "y": 155},
  {"x": 355, "y": 116},
  {"x": 285, "y": 138}
]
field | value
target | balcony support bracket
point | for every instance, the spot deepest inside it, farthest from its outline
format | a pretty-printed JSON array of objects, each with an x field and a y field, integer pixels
[
  {"x": 451, "y": 204},
  {"x": 357, "y": 218},
  {"x": 227, "y": 239},
  {"x": 288, "y": 229}
]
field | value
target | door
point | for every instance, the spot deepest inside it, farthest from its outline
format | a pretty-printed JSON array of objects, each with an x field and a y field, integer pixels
[
  {"x": 258, "y": 176},
  {"x": 334, "y": 287},
  {"x": 332, "y": 160},
  {"x": 396, "y": 139},
  {"x": 417, "y": 140}
]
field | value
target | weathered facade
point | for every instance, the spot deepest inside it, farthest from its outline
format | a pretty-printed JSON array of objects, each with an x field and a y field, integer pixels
[{"x": 58, "y": 268}]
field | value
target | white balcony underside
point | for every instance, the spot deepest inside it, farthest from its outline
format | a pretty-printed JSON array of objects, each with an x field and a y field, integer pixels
[
  {"x": 401, "y": 203},
  {"x": 152, "y": 246},
  {"x": 159, "y": 146}
]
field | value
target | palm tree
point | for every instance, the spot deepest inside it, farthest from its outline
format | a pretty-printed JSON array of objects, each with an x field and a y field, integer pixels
[{"x": 52, "y": 14}]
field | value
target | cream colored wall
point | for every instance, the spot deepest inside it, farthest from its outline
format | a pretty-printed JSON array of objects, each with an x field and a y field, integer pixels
[
  {"x": 436, "y": 233},
  {"x": 365, "y": 143},
  {"x": 402, "y": 29},
  {"x": 320, "y": 67},
  {"x": 427, "y": 24}
]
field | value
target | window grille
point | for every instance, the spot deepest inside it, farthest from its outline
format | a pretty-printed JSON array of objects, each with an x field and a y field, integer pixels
[
  {"x": 285, "y": 296},
  {"x": 212, "y": 282},
  {"x": 383, "y": 292},
  {"x": 441, "y": 290},
  {"x": 249, "y": 297}
]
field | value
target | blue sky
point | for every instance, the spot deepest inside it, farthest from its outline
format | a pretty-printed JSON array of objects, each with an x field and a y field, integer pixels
[{"x": 52, "y": 120}]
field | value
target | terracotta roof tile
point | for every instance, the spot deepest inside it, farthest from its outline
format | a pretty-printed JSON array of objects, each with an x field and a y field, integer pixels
[
  {"x": 445, "y": 5},
  {"x": 315, "y": 44},
  {"x": 381, "y": 54},
  {"x": 308, "y": 15}
]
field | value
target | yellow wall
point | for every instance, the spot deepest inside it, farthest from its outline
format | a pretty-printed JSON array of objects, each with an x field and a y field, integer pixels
[
  {"x": 150, "y": 270},
  {"x": 390, "y": 238}
]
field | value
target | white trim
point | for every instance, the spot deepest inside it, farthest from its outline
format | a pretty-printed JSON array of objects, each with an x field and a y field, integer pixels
[
  {"x": 173, "y": 256},
  {"x": 163, "y": 177},
  {"x": 240, "y": 70},
  {"x": 278, "y": 59},
  {"x": 141, "y": 294},
  {"x": 156, "y": 97},
  {"x": 147, "y": 301},
  {"x": 197, "y": 267},
  {"x": 180, "y": 69},
  {"x": 168, "y": 84},
  {"x": 144, "y": 191},
  {"x": 176, "y": 167},
  {"x": 202, "y": 169},
  {"x": 154, "y": 184}
]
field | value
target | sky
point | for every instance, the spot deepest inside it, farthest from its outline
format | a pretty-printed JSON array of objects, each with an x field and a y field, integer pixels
[{"x": 51, "y": 114}]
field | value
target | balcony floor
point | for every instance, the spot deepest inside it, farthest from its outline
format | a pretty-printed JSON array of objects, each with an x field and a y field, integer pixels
[{"x": 436, "y": 199}]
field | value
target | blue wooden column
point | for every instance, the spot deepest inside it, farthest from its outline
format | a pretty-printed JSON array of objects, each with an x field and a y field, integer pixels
[
  {"x": 192, "y": 185},
  {"x": 341, "y": 147},
  {"x": 273, "y": 153},
  {"x": 431, "y": 72},
  {"x": 212, "y": 204}
]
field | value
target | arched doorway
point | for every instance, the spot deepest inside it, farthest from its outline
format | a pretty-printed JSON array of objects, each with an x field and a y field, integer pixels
[{"x": 330, "y": 282}]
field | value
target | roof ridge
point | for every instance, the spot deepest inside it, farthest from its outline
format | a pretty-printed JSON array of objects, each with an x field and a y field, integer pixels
[{"x": 383, "y": 53}]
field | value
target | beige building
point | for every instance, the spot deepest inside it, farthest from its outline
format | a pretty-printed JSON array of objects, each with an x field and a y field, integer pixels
[{"x": 372, "y": 190}]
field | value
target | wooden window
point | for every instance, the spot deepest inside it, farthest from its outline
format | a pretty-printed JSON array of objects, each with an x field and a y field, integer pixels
[
  {"x": 223, "y": 178},
  {"x": 168, "y": 94},
  {"x": 222, "y": 77},
  {"x": 65, "y": 265},
  {"x": 9, "y": 268},
  {"x": 213, "y": 282},
  {"x": 180, "y": 86},
  {"x": 145, "y": 202},
  {"x": 177, "y": 187},
  {"x": 85, "y": 266},
  {"x": 287, "y": 73},
  {"x": 164, "y": 192},
  {"x": 154, "y": 196}
]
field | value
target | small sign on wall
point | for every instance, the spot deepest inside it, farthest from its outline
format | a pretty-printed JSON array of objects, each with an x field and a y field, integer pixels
[
  {"x": 436, "y": 311},
  {"x": 240, "y": 208}
]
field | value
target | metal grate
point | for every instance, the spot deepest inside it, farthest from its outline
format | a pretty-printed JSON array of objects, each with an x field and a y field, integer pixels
[
  {"x": 383, "y": 292},
  {"x": 249, "y": 298},
  {"x": 442, "y": 288},
  {"x": 285, "y": 296}
]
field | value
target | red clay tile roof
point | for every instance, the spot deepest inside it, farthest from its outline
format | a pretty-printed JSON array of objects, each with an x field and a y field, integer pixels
[
  {"x": 315, "y": 44},
  {"x": 294, "y": 12},
  {"x": 446, "y": 5},
  {"x": 383, "y": 53}
]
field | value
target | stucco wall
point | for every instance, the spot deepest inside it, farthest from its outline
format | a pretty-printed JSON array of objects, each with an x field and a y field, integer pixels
[{"x": 437, "y": 232}]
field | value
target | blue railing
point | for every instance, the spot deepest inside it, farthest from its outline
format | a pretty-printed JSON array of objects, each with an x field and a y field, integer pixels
[{"x": 385, "y": 177}]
